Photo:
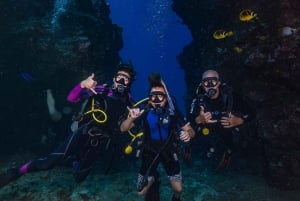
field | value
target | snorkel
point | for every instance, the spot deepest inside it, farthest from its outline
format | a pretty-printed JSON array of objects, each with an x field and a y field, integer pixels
[{"x": 170, "y": 102}]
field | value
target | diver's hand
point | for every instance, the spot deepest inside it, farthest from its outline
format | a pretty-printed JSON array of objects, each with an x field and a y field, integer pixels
[
  {"x": 185, "y": 136},
  {"x": 203, "y": 117},
  {"x": 129, "y": 122},
  {"x": 89, "y": 83},
  {"x": 135, "y": 112},
  {"x": 187, "y": 133},
  {"x": 231, "y": 121}
]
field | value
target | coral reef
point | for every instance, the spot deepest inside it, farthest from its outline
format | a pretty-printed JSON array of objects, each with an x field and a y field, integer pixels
[{"x": 265, "y": 70}]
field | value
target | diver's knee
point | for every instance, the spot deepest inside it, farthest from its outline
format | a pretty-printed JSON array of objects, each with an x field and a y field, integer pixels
[
  {"x": 177, "y": 189},
  {"x": 142, "y": 193}
]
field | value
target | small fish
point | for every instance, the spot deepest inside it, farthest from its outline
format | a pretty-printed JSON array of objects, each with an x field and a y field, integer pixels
[
  {"x": 26, "y": 76},
  {"x": 221, "y": 34},
  {"x": 247, "y": 15},
  {"x": 262, "y": 38},
  {"x": 237, "y": 49},
  {"x": 286, "y": 31}
]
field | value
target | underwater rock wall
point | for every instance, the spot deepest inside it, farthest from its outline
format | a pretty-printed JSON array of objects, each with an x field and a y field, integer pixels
[
  {"x": 261, "y": 61},
  {"x": 49, "y": 45}
]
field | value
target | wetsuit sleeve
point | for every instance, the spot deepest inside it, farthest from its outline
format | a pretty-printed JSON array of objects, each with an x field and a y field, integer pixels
[
  {"x": 74, "y": 94},
  {"x": 77, "y": 93},
  {"x": 123, "y": 117}
]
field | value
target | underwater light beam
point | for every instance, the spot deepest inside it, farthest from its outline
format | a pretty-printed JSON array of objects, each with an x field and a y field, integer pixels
[{"x": 58, "y": 10}]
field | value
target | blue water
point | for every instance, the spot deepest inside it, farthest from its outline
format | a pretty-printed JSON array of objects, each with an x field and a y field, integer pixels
[
  {"x": 59, "y": 9},
  {"x": 153, "y": 37}
]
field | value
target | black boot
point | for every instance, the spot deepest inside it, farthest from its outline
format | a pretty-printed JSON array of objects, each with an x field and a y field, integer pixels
[
  {"x": 175, "y": 198},
  {"x": 11, "y": 175},
  {"x": 153, "y": 192}
]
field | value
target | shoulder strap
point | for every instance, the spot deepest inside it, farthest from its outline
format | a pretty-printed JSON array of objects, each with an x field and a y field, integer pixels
[{"x": 227, "y": 97}]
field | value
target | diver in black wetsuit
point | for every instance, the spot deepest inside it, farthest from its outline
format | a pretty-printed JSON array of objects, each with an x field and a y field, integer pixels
[
  {"x": 97, "y": 126},
  {"x": 216, "y": 113}
]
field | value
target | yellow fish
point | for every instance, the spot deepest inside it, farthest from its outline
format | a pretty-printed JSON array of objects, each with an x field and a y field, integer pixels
[
  {"x": 237, "y": 49},
  {"x": 247, "y": 15},
  {"x": 221, "y": 34},
  {"x": 262, "y": 38}
]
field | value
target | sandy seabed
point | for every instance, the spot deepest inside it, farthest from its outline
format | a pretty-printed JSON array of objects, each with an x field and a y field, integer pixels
[{"x": 201, "y": 183}]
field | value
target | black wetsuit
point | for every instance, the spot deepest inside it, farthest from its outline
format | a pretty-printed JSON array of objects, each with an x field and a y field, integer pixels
[
  {"x": 219, "y": 138},
  {"x": 160, "y": 144},
  {"x": 91, "y": 137}
]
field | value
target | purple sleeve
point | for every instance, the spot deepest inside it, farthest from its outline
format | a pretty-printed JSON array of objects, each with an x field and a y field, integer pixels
[
  {"x": 99, "y": 89},
  {"x": 74, "y": 95}
]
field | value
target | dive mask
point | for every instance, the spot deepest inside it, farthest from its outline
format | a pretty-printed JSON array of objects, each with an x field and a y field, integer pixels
[
  {"x": 122, "y": 79},
  {"x": 157, "y": 96},
  {"x": 210, "y": 82}
]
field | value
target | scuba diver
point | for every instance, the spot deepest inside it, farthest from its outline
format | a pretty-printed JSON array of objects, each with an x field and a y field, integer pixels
[
  {"x": 216, "y": 113},
  {"x": 159, "y": 120},
  {"x": 97, "y": 126}
]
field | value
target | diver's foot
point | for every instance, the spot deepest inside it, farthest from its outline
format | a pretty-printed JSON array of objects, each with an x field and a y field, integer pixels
[
  {"x": 175, "y": 198},
  {"x": 225, "y": 160},
  {"x": 153, "y": 192},
  {"x": 11, "y": 175}
]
